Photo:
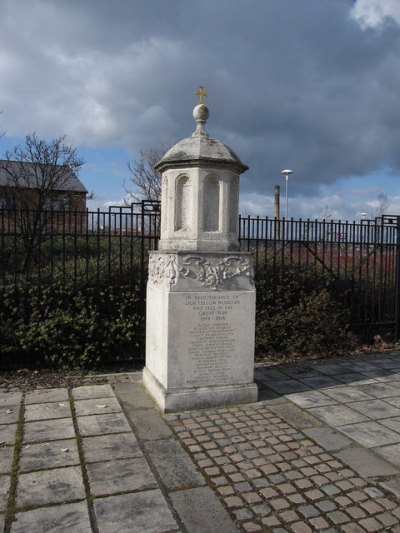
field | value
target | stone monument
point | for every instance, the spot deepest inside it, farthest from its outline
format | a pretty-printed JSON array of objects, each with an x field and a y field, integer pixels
[{"x": 200, "y": 292}]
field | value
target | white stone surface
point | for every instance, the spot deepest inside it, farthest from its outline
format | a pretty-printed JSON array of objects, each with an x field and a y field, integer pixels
[
  {"x": 199, "y": 209},
  {"x": 200, "y": 294},
  {"x": 200, "y": 332}
]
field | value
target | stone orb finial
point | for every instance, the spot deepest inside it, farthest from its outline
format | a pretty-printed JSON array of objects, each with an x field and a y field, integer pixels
[
  {"x": 201, "y": 112},
  {"x": 200, "y": 115}
]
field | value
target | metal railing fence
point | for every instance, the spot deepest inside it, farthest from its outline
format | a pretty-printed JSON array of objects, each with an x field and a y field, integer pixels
[{"x": 91, "y": 250}]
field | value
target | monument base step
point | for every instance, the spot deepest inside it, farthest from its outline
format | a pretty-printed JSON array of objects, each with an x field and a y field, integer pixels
[{"x": 173, "y": 400}]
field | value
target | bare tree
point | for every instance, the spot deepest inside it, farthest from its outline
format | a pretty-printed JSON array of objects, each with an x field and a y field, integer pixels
[
  {"x": 380, "y": 207},
  {"x": 326, "y": 213},
  {"x": 145, "y": 182},
  {"x": 34, "y": 177}
]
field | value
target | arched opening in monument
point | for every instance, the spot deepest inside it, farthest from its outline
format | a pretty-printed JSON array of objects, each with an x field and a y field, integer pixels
[
  {"x": 183, "y": 204},
  {"x": 211, "y": 204}
]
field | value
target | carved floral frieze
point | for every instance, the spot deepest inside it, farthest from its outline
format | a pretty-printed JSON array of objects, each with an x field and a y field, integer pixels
[
  {"x": 163, "y": 267},
  {"x": 210, "y": 272},
  {"x": 215, "y": 273}
]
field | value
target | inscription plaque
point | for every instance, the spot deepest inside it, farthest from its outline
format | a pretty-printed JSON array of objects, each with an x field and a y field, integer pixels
[{"x": 213, "y": 342}]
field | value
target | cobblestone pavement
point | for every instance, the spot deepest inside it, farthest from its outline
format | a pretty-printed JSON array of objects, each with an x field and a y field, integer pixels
[{"x": 320, "y": 451}]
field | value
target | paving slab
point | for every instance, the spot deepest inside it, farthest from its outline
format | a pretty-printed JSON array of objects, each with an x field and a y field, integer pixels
[
  {"x": 51, "y": 454},
  {"x": 354, "y": 378},
  {"x": 103, "y": 424},
  {"x": 47, "y": 411},
  {"x": 363, "y": 366},
  {"x": 320, "y": 382},
  {"x": 4, "y": 486},
  {"x": 333, "y": 369},
  {"x": 97, "y": 406},
  {"x": 344, "y": 394},
  {"x": 108, "y": 447},
  {"x": 298, "y": 417},
  {"x": 59, "y": 519},
  {"x": 173, "y": 464},
  {"x": 148, "y": 423},
  {"x": 10, "y": 398},
  {"x": 370, "y": 434},
  {"x": 6, "y": 459},
  {"x": 336, "y": 415},
  {"x": 375, "y": 373},
  {"x": 287, "y": 386},
  {"x": 92, "y": 391},
  {"x": 366, "y": 462},
  {"x": 47, "y": 395},
  {"x": 201, "y": 512},
  {"x": 134, "y": 395},
  {"x": 60, "y": 485},
  {"x": 387, "y": 363},
  {"x": 8, "y": 433},
  {"x": 142, "y": 512},
  {"x": 123, "y": 475},
  {"x": 391, "y": 423},
  {"x": 393, "y": 378},
  {"x": 379, "y": 390},
  {"x": 269, "y": 374},
  {"x": 311, "y": 398},
  {"x": 267, "y": 395},
  {"x": 328, "y": 438},
  {"x": 391, "y": 453},
  {"x": 376, "y": 409},
  {"x": 49, "y": 430},
  {"x": 9, "y": 414},
  {"x": 393, "y": 401},
  {"x": 392, "y": 485}
]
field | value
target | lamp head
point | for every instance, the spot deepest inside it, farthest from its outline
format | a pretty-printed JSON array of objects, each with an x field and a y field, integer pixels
[{"x": 287, "y": 172}]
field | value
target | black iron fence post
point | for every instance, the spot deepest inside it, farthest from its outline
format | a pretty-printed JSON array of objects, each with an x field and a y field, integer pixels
[
  {"x": 143, "y": 279},
  {"x": 397, "y": 303}
]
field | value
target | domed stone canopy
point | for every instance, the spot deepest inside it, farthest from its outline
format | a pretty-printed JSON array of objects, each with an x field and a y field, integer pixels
[{"x": 200, "y": 148}]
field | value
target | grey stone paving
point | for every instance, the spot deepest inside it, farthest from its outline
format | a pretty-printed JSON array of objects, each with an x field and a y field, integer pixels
[
  {"x": 47, "y": 411},
  {"x": 103, "y": 424},
  {"x": 97, "y": 406},
  {"x": 9, "y": 414},
  {"x": 109, "y": 447},
  {"x": 319, "y": 452},
  {"x": 60, "y": 519},
  {"x": 123, "y": 475},
  {"x": 4, "y": 488},
  {"x": 7, "y": 433},
  {"x": 46, "y": 455},
  {"x": 337, "y": 415},
  {"x": 143, "y": 512},
  {"x": 50, "y": 486},
  {"x": 6, "y": 458},
  {"x": 46, "y": 395},
  {"x": 201, "y": 512},
  {"x": 49, "y": 430},
  {"x": 92, "y": 391}
]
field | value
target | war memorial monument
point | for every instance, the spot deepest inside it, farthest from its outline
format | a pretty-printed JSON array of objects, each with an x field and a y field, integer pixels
[{"x": 200, "y": 291}]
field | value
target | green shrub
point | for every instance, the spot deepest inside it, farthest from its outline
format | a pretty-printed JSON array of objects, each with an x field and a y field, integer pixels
[
  {"x": 61, "y": 327},
  {"x": 298, "y": 313}
]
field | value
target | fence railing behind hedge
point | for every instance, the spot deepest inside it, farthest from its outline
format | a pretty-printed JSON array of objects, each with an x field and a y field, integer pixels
[
  {"x": 91, "y": 251},
  {"x": 361, "y": 260}
]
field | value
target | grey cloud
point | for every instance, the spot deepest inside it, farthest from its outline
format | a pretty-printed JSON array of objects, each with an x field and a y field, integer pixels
[{"x": 298, "y": 84}]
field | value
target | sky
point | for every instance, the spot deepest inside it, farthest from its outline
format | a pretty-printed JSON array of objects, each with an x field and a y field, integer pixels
[{"x": 310, "y": 85}]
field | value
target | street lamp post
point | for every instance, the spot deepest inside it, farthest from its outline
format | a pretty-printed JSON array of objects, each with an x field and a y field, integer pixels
[{"x": 287, "y": 173}]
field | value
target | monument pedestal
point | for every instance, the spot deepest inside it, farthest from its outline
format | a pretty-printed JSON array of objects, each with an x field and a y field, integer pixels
[{"x": 200, "y": 330}]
